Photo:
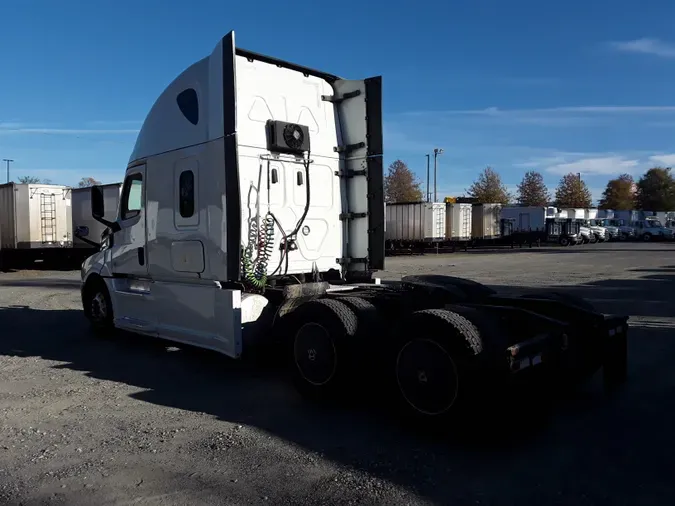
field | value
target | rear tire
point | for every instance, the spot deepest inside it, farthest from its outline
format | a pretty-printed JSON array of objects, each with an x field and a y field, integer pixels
[
  {"x": 321, "y": 335},
  {"x": 437, "y": 357}
]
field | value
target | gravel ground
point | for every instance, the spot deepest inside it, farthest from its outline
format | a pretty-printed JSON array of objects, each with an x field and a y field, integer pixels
[{"x": 130, "y": 420}]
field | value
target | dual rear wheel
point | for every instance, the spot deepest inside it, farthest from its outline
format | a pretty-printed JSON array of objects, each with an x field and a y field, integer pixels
[{"x": 428, "y": 364}]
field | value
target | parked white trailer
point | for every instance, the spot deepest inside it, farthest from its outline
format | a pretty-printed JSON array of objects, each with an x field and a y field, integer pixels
[
  {"x": 416, "y": 222},
  {"x": 458, "y": 219},
  {"x": 577, "y": 213},
  {"x": 35, "y": 222},
  {"x": 486, "y": 221},
  {"x": 536, "y": 224},
  {"x": 526, "y": 219},
  {"x": 84, "y": 225}
]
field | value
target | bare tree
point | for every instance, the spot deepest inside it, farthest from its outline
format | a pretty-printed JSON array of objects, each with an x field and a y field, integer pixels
[
  {"x": 30, "y": 180},
  {"x": 86, "y": 182}
]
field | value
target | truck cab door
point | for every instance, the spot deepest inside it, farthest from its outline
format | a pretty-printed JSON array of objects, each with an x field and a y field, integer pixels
[{"x": 131, "y": 283}]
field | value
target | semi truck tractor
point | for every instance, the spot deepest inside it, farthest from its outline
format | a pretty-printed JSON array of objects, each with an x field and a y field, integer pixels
[{"x": 252, "y": 211}]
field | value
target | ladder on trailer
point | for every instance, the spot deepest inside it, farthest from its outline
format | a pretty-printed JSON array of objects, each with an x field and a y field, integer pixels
[
  {"x": 48, "y": 218},
  {"x": 466, "y": 223}
]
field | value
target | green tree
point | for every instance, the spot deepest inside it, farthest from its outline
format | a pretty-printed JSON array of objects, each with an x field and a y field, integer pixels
[
  {"x": 572, "y": 192},
  {"x": 86, "y": 182},
  {"x": 489, "y": 189},
  {"x": 401, "y": 185},
  {"x": 532, "y": 190},
  {"x": 655, "y": 190},
  {"x": 619, "y": 194}
]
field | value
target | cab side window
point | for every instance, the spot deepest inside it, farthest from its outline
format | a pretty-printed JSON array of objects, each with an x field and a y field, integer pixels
[{"x": 132, "y": 196}]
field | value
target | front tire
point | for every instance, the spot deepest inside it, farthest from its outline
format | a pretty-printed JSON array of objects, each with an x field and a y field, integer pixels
[{"x": 98, "y": 307}]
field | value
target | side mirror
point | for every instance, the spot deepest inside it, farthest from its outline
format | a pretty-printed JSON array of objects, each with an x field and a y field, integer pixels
[
  {"x": 98, "y": 209},
  {"x": 97, "y": 202}
]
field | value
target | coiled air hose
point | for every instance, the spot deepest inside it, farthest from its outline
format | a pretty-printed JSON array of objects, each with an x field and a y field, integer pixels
[{"x": 262, "y": 240}]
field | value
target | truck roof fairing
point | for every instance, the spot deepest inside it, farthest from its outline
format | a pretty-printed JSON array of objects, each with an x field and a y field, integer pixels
[{"x": 213, "y": 101}]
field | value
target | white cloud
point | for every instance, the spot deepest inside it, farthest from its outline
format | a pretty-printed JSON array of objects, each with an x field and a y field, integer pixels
[
  {"x": 646, "y": 45},
  {"x": 666, "y": 159},
  {"x": 10, "y": 125},
  {"x": 600, "y": 166}
]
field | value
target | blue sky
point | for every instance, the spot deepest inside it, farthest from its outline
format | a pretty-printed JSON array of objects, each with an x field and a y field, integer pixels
[{"x": 558, "y": 87}]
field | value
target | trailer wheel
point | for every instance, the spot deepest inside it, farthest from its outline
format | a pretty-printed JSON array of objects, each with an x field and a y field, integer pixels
[
  {"x": 322, "y": 331},
  {"x": 97, "y": 306},
  {"x": 564, "y": 241},
  {"x": 436, "y": 357}
]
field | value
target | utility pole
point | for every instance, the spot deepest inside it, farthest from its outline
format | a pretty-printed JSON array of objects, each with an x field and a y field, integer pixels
[
  {"x": 437, "y": 151},
  {"x": 7, "y": 160},
  {"x": 428, "y": 194}
]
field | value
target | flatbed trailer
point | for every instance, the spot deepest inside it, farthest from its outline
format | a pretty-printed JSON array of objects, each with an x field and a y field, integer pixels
[{"x": 248, "y": 218}]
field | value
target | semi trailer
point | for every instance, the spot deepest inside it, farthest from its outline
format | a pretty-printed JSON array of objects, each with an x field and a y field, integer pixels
[
  {"x": 414, "y": 225},
  {"x": 252, "y": 211},
  {"x": 34, "y": 224}
]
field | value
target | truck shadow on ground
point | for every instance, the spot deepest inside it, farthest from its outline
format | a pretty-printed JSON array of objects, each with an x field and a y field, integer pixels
[{"x": 586, "y": 444}]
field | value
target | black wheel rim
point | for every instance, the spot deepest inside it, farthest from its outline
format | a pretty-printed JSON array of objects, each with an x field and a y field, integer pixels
[
  {"x": 99, "y": 307},
  {"x": 427, "y": 377},
  {"x": 315, "y": 354}
]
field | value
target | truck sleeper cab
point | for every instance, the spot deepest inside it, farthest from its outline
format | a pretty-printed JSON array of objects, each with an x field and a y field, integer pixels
[{"x": 252, "y": 205}]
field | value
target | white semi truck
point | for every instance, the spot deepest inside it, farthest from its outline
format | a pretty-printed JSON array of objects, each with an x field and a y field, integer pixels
[{"x": 252, "y": 209}]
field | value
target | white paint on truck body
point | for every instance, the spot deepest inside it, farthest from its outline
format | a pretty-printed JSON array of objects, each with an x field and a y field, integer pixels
[
  {"x": 200, "y": 178},
  {"x": 83, "y": 221}
]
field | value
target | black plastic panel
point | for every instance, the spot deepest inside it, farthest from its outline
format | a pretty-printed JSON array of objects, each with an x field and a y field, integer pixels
[
  {"x": 232, "y": 193},
  {"x": 375, "y": 163}
]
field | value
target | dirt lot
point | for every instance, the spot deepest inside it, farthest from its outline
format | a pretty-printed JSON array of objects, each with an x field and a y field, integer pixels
[{"x": 131, "y": 420}]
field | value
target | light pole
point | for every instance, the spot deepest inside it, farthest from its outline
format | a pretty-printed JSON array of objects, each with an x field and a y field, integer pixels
[
  {"x": 428, "y": 194},
  {"x": 437, "y": 151},
  {"x": 7, "y": 160}
]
